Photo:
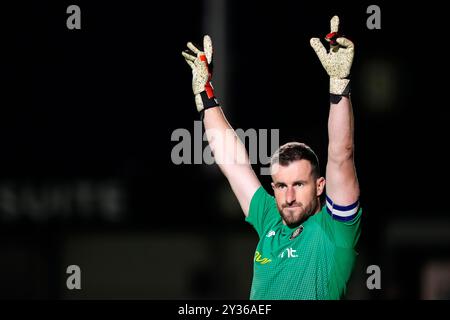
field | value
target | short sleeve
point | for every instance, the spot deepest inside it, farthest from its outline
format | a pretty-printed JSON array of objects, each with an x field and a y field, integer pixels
[
  {"x": 342, "y": 224},
  {"x": 263, "y": 211}
]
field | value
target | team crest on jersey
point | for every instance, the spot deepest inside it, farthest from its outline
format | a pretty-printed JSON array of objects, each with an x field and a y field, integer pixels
[{"x": 296, "y": 233}]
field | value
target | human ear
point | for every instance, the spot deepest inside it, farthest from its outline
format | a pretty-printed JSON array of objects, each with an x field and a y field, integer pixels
[{"x": 320, "y": 185}]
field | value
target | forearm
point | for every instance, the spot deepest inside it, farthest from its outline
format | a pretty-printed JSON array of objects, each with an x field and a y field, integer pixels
[
  {"x": 340, "y": 131},
  {"x": 231, "y": 156},
  {"x": 228, "y": 150}
]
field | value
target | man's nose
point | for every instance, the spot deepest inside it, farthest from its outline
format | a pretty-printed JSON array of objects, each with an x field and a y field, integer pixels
[{"x": 290, "y": 195}]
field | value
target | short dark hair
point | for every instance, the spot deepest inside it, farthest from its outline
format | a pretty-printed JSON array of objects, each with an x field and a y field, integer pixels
[{"x": 293, "y": 151}]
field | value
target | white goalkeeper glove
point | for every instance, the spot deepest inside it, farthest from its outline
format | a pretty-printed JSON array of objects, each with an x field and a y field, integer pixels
[
  {"x": 200, "y": 62},
  {"x": 338, "y": 61}
]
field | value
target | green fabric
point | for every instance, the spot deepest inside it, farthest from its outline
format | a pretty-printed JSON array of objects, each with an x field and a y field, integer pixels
[{"x": 314, "y": 265}]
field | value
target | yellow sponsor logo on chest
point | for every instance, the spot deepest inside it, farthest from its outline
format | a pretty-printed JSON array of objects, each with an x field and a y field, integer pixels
[{"x": 260, "y": 259}]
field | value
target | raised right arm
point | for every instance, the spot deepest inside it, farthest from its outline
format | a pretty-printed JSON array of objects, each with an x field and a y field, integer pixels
[
  {"x": 231, "y": 156},
  {"x": 228, "y": 150}
]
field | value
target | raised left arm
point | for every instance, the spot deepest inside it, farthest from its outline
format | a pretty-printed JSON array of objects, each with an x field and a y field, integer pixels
[{"x": 341, "y": 180}]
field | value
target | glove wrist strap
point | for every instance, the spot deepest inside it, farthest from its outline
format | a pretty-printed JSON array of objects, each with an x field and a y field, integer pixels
[
  {"x": 205, "y": 101},
  {"x": 338, "y": 89}
]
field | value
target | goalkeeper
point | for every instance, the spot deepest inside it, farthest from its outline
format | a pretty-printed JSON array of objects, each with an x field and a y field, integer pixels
[{"x": 306, "y": 250}]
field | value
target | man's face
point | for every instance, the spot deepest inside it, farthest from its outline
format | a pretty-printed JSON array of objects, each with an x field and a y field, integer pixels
[{"x": 296, "y": 191}]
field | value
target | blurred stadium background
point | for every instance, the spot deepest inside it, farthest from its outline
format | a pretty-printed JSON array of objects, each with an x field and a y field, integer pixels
[{"x": 87, "y": 116}]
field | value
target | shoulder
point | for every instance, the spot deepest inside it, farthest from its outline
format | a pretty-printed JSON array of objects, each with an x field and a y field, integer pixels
[{"x": 261, "y": 198}]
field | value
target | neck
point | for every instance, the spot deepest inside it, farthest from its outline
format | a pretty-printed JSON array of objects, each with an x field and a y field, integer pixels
[{"x": 318, "y": 206}]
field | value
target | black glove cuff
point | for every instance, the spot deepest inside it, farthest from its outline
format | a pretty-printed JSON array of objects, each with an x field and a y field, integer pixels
[
  {"x": 335, "y": 98},
  {"x": 207, "y": 103}
]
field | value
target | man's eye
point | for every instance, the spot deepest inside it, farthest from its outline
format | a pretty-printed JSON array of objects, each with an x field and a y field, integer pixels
[
  {"x": 281, "y": 186},
  {"x": 299, "y": 184}
]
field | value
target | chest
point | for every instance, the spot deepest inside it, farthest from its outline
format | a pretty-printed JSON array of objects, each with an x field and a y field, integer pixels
[{"x": 305, "y": 244}]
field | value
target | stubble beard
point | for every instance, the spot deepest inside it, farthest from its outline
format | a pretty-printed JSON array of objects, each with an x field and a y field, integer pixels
[{"x": 293, "y": 219}]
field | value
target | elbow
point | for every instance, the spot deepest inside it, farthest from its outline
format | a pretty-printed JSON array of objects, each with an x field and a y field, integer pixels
[{"x": 340, "y": 154}]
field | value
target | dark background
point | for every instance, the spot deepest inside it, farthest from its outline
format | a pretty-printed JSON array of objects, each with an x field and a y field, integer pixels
[{"x": 86, "y": 119}]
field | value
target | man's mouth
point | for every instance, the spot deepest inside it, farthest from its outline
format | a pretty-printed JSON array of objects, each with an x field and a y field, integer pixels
[{"x": 291, "y": 207}]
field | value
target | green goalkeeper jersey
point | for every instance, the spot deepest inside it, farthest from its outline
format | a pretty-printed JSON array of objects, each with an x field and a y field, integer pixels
[{"x": 311, "y": 261}]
